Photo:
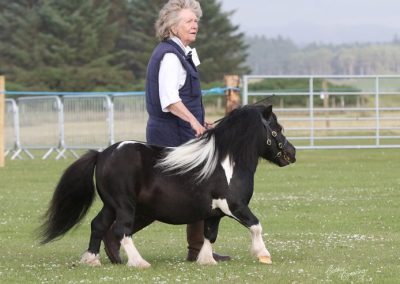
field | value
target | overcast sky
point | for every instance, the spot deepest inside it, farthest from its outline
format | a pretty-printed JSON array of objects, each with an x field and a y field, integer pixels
[{"x": 326, "y": 21}]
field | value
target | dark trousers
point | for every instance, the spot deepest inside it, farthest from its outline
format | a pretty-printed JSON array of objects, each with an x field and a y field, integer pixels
[{"x": 195, "y": 235}]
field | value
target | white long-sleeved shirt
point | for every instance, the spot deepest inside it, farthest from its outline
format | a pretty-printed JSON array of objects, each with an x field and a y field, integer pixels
[{"x": 172, "y": 76}]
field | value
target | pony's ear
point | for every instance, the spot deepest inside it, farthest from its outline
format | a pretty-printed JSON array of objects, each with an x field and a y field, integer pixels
[{"x": 267, "y": 112}]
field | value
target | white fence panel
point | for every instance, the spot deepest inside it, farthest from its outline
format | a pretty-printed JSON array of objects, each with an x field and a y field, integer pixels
[
  {"x": 11, "y": 129},
  {"x": 130, "y": 118},
  {"x": 87, "y": 122},
  {"x": 333, "y": 111},
  {"x": 39, "y": 124}
]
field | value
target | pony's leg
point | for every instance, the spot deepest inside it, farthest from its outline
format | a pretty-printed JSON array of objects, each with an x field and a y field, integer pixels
[
  {"x": 247, "y": 218},
  {"x": 210, "y": 236},
  {"x": 99, "y": 226},
  {"x": 258, "y": 248},
  {"x": 134, "y": 257},
  {"x": 124, "y": 229},
  {"x": 112, "y": 244}
]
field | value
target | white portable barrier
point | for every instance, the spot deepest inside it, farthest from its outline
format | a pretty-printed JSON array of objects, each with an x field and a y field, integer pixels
[
  {"x": 11, "y": 128},
  {"x": 130, "y": 117},
  {"x": 62, "y": 123},
  {"x": 39, "y": 124},
  {"x": 87, "y": 122}
]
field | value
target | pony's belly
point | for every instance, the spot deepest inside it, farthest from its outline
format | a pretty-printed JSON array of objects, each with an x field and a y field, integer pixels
[{"x": 177, "y": 214}]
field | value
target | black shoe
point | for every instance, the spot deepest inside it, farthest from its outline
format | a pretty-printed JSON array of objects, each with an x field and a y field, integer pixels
[
  {"x": 194, "y": 253},
  {"x": 220, "y": 257}
]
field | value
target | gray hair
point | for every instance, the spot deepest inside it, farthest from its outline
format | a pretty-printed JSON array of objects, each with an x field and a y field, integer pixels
[{"x": 169, "y": 15}]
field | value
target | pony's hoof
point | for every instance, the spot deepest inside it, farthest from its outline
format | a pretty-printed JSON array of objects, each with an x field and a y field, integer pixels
[
  {"x": 139, "y": 264},
  {"x": 91, "y": 259},
  {"x": 265, "y": 259},
  {"x": 210, "y": 261}
]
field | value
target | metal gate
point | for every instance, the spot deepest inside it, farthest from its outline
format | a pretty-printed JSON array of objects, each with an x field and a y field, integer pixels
[{"x": 324, "y": 112}]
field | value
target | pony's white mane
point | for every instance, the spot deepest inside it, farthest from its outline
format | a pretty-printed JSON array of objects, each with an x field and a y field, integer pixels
[{"x": 196, "y": 152}]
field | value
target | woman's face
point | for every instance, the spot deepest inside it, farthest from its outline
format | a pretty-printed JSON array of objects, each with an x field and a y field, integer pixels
[{"x": 187, "y": 28}]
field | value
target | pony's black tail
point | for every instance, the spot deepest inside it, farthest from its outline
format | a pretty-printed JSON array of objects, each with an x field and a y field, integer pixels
[{"x": 72, "y": 198}]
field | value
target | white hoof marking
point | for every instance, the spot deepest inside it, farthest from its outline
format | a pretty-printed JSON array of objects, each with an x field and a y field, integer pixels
[
  {"x": 91, "y": 259},
  {"x": 206, "y": 255},
  {"x": 258, "y": 248},
  {"x": 134, "y": 257},
  {"x": 142, "y": 264}
]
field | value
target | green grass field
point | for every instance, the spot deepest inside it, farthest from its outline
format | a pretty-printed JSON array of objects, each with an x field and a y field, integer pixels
[{"x": 333, "y": 217}]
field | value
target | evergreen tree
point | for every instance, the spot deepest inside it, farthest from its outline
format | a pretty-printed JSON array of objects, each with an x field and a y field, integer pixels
[
  {"x": 74, "y": 45},
  {"x": 62, "y": 45},
  {"x": 19, "y": 22},
  {"x": 138, "y": 38}
]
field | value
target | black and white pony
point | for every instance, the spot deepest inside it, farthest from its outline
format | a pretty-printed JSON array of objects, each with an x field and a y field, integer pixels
[{"x": 205, "y": 179}]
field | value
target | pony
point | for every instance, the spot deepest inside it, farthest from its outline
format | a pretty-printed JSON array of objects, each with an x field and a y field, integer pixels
[{"x": 207, "y": 178}]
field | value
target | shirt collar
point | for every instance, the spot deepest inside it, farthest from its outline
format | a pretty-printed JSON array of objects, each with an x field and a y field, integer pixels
[{"x": 185, "y": 49}]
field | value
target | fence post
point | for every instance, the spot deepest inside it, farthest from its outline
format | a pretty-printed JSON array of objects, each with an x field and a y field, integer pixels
[
  {"x": 377, "y": 114},
  {"x": 232, "y": 96},
  {"x": 325, "y": 97},
  {"x": 245, "y": 95},
  {"x": 2, "y": 110},
  {"x": 311, "y": 97}
]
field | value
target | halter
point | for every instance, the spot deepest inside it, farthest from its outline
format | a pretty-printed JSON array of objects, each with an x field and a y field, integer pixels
[{"x": 274, "y": 136}]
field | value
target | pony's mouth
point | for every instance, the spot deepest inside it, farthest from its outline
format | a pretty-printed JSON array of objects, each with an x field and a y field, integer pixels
[
  {"x": 289, "y": 159},
  {"x": 285, "y": 158}
]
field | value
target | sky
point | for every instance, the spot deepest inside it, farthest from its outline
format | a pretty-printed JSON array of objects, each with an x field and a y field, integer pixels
[{"x": 321, "y": 21}]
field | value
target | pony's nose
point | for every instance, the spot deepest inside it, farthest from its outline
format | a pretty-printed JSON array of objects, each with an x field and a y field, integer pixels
[{"x": 290, "y": 152}]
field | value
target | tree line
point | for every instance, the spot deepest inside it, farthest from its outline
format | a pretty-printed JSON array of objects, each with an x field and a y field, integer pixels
[
  {"x": 95, "y": 45},
  {"x": 104, "y": 45},
  {"x": 280, "y": 56}
]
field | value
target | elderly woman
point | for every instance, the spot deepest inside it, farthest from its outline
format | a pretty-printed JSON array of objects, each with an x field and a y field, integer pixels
[
  {"x": 173, "y": 98},
  {"x": 173, "y": 93}
]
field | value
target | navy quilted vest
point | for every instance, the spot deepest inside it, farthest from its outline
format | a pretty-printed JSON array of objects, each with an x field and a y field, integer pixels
[{"x": 164, "y": 128}]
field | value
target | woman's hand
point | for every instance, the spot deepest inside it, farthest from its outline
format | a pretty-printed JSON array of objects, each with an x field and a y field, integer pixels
[
  {"x": 208, "y": 125},
  {"x": 197, "y": 127},
  {"x": 180, "y": 110}
]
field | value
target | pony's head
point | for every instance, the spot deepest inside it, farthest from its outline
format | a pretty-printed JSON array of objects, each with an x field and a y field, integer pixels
[
  {"x": 251, "y": 132},
  {"x": 276, "y": 148}
]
